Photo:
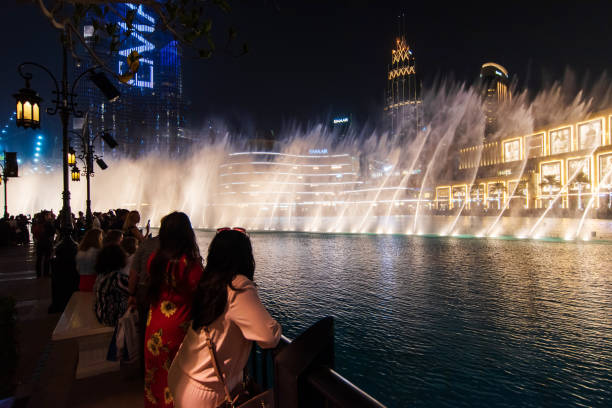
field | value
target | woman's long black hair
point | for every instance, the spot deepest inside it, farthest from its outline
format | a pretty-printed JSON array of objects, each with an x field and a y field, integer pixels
[
  {"x": 230, "y": 253},
  {"x": 110, "y": 258},
  {"x": 176, "y": 238}
]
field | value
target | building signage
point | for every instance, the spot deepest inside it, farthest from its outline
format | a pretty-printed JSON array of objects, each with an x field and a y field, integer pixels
[
  {"x": 317, "y": 151},
  {"x": 589, "y": 134},
  {"x": 534, "y": 145},
  {"x": 605, "y": 170},
  {"x": 512, "y": 150},
  {"x": 575, "y": 166},
  {"x": 560, "y": 140},
  {"x": 144, "y": 76}
]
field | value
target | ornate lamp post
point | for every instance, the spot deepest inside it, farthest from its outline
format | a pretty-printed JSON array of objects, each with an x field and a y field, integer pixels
[
  {"x": 87, "y": 157},
  {"x": 28, "y": 117},
  {"x": 71, "y": 156},
  {"x": 28, "y": 107},
  {"x": 76, "y": 174}
]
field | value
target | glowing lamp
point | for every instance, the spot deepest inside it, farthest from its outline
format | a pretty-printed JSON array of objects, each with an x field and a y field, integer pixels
[
  {"x": 76, "y": 174},
  {"x": 27, "y": 114},
  {"x": 71, "y": 157}
]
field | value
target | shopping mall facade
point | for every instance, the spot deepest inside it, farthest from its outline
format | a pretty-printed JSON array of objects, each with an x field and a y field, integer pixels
[{"x": 566, "y": 166}]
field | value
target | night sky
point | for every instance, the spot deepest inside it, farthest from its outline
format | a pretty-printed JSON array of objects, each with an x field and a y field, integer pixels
[{"x": 313, "y": 59}]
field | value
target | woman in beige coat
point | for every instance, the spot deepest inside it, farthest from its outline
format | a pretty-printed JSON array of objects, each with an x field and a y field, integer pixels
[{"x": 226, "y": 304}]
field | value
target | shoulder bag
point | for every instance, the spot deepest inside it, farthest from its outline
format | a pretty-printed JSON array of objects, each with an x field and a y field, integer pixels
[{"x": 245, "y": 395}]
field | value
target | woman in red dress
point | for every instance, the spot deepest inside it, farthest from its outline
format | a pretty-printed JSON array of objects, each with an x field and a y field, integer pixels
[{"x": 174, "y": 270}]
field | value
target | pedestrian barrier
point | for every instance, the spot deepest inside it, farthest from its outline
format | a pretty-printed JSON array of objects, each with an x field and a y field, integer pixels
[
  {"x": 302, "y": 372},
  {"x": 79, "y": 322}
]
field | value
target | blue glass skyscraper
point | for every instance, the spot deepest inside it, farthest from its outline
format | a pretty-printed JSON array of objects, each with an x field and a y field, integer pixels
[{"x": 150, "y": 112}]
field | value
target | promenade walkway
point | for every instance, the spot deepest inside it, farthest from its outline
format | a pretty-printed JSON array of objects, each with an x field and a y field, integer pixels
[{"x": 36, "y": 350}]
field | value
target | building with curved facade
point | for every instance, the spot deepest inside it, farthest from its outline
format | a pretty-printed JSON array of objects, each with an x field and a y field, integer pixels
[{"x": 272, "y": 180}]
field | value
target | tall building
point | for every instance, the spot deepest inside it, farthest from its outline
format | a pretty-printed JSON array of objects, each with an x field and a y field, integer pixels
[
  {"x": 341, "y": 125},
  {"x": 494, "y": 79},
  {"x": 403, "y": 95},
  {"x": 150, "y": 112}
]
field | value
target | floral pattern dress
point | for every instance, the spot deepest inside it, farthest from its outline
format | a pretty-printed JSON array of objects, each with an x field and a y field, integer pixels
[{"x": 167, "y": 323}]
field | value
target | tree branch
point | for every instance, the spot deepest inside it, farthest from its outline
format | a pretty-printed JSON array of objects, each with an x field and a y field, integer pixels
[
  {"x": 49, "y": 14},
  {"x": 91, "y": 51}
]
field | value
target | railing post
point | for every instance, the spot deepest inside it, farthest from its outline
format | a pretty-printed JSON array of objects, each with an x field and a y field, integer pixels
[{"x": 313, "y": 348}]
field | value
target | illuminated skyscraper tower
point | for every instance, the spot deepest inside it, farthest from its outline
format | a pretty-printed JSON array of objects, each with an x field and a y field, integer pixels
[
  {"x": 494, "y": 79},
  {"x": 403, "y": 95},
  {"x": 150, "y": 112}
]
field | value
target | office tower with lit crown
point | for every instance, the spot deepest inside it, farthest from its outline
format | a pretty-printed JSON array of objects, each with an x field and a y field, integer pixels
[
  {"x": 403, "y": 95},
  {"x": 150, "y": 112},
  {"x": 494, "y": 79}
]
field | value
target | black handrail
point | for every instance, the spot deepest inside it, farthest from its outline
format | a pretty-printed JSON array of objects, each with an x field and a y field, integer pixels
[
  {"x": 330, "y": 386},
  {"x": 338, "y": 391}
]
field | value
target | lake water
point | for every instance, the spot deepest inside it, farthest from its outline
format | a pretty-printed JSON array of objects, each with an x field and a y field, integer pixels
[{"x": 448, "y": 322}]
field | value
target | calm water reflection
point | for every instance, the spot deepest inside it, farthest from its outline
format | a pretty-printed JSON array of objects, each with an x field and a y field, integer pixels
[{"x": 450, "y": 322}]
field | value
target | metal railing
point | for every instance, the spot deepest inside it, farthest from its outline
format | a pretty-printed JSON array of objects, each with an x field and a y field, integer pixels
[{"x": 302, "y": 372}]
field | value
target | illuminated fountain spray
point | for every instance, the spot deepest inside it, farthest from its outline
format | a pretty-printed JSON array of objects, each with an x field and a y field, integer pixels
[{"x": 310, "y": 181}]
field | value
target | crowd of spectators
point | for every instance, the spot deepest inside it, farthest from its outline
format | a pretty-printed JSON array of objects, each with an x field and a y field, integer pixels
[
  {"x": 14, "y": 230},
  {"x": 163, "y": 280}
]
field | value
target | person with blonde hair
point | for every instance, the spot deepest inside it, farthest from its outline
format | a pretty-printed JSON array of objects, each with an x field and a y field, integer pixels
[
  {"x": 86, "y": 258},
  {"x": 130, "y": 226}
]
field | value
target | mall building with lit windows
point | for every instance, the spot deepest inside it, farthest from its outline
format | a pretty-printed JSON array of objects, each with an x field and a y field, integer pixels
[
  {"x": 567, "y": 166},
  {"x": 264, "y": 178}
]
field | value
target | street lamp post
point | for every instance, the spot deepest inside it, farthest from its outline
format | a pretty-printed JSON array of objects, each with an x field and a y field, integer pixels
[
  {"x": 87, "y": 157},
  {"x": 65, "y": 105},
  {"x": 9, "y": 169},
  {"x": 5, "y": 180}
]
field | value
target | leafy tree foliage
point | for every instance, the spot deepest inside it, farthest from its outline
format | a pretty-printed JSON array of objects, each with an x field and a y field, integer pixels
[{"x": 190, "y": 22}]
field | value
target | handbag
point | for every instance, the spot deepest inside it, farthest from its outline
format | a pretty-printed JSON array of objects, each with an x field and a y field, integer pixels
[{"x": 246, "y": 395}]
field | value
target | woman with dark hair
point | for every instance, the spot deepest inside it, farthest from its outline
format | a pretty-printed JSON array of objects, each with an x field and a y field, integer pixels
[
  {"x": 228, "y": 316},
  {"x": 174, "y": 271},
  {"x": 111, "y": 286}
]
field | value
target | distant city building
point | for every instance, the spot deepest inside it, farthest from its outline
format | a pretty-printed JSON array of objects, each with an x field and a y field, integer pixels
[
  {"x": 494, "y": 79},
  {"x": 340, "y": 125},
  {"x": 403, "y": 95},
  {"x": 150, "y": 112},
  {"x": 264, "y": 180}
]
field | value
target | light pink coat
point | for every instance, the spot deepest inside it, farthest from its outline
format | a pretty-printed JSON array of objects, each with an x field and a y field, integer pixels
[{"x": 191, "y": 378}]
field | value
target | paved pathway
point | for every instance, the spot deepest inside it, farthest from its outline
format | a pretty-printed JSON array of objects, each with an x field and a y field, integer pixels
[{"x": 35, "y": 325}]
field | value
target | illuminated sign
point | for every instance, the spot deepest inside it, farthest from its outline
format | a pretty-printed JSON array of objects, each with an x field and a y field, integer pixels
[
  {"x": 512, "y": 150},
  {"x": 534, "y": 145},
  {"x": 605, "y": 170},
  {"x": 144, "y": 76},
  {"x": 590, "y": 134},
  {"x": 88, "y": 31},
  {"x": 560, "y": 140},
  {"x": 340, "y": 120},
  {"x": 317, "y": 151},
  {"x": 576, "y": 166}
]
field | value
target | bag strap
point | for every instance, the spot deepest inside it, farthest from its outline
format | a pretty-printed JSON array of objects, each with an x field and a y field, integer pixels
[{"x": 211, "y": 348}]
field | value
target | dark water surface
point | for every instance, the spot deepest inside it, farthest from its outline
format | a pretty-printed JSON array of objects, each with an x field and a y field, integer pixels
[{"x": 449, "y": 322}]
